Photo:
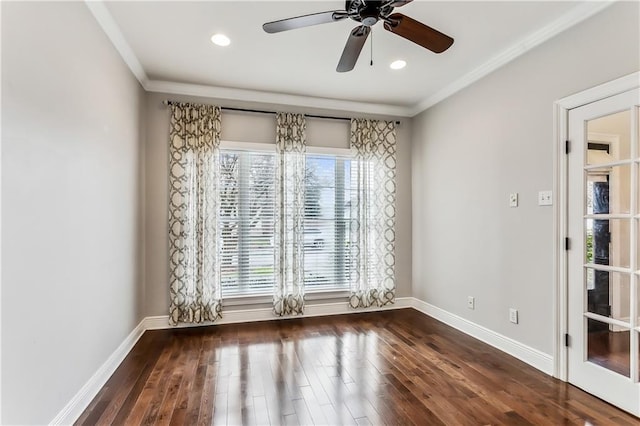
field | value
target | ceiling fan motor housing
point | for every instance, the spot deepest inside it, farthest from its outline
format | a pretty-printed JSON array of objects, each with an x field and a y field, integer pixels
[{"x": 368, "y": 13}]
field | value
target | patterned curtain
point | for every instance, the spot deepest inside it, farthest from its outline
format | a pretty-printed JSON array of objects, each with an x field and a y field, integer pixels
[
  {"x": 288, "y": 295},
  {"x": 372, "y": 239},
  {"x": 194, "y": 259}
]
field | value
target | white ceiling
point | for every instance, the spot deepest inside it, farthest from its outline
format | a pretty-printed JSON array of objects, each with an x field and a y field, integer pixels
[{"x": 165, "y": 41}]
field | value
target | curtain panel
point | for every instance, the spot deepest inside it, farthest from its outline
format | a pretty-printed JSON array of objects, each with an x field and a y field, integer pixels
[
  {"x": 194, "y": 241},
  {"x": 288, "y": 292},
  {"x": 372, "y": 237}
]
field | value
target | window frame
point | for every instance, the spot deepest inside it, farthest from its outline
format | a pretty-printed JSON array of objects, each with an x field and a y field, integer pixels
[{"x": 260, "y": 147}]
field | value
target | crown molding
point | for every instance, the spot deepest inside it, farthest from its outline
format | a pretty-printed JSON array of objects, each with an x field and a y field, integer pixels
[
  {"x": 566, "y": 21},
  {"x": 257, "y": 96},
  {"x": 113, "y": 32}
]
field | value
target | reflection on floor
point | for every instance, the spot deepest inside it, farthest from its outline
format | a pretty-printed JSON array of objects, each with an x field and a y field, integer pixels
[
  {"x": 610, "y": 350},
  {"x": 385, "y": 368}
]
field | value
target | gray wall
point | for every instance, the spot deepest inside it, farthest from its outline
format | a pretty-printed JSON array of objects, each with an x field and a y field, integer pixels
[
  {"x": 495, "y": 137},
  {"x": 244, "y": 127},
  {"x": 71, "y": 115}
]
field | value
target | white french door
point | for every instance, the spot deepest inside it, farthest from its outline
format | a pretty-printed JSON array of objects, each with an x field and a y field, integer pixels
[{"x": 603, "y": 262}]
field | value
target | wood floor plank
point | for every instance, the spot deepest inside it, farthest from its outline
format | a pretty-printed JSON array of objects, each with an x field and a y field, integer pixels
[
  {"x": 143, "y": 403},
  {"x": 387, "y": 368},
  {"x": 164, "y": 369},
  {"x": 205, "y": 413},
  {"x": 315, "y": 410},
  {"x": 175, "y": 378},
  {"x": 187, "y": 390}
]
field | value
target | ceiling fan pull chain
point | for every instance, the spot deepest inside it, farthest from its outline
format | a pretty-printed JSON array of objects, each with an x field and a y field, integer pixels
[{"x": 371, "y": 49}]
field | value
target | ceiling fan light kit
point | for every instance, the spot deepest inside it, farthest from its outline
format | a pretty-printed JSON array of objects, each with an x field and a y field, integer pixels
[{"x": 368, "y": 13}]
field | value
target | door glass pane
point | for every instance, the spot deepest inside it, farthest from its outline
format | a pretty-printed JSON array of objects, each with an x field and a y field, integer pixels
[
  {"x": 608, "y": 346},
  {"x": 638, "y": 138},
  {"x": 608, "y": 294},
  {"x": 638, "y": 303},
  {"x": 638, "y": 308},
  {"x": 638, "y": 192},
  {"x": 609, "y": 138},
  {"x": 607, "y": 242},
  {"x": 608, "y": 190},
  {"x": 638, "y": 245}
]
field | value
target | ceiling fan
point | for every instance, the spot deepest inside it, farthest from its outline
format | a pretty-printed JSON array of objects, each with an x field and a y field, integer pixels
[{"x": 368, "y": 13}]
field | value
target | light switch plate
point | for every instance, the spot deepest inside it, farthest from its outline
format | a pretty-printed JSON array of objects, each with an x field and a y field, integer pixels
[
  {"x": 513, "y": 315},
  {"x": 513, "y": 199},
  {"x": 545, "y": 198}
]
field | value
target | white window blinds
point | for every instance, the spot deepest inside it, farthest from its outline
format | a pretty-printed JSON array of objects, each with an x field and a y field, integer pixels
[
  {"x": 247, "y": 215},
  {"x": 327, "y": 221},
  {"x": 247, "y": 222}
]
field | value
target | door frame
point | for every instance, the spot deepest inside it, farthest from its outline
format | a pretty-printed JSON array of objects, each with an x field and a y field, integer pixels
[{"x": 560, "y": 207}]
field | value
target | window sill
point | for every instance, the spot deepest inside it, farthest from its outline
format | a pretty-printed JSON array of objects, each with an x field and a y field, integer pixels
[{"x": 239, "y": 299}]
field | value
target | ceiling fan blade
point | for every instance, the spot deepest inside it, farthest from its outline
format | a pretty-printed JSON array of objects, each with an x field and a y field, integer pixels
[
  {"x": 400, "y": 3},
  {"x": 352, "y": 49},
  {"x": 304, "y": 21},
  {"x": 418, "y": 33}
]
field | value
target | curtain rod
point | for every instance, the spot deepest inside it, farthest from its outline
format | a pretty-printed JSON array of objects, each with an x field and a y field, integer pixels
[{"x": 260, "y": 111}]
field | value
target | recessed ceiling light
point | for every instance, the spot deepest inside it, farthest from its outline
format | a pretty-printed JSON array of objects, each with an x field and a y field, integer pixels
[
  {"x": 220, "y": 40},
  {"x": 398, "y": 65}
]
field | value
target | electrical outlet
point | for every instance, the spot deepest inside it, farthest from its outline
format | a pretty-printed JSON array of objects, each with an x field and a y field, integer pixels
[
  {"x": 513, "y": 199},
  {"x": 513, "y": 315},
  {"x": 545, "y": 198},
  {"x": 471, "y": 302}
]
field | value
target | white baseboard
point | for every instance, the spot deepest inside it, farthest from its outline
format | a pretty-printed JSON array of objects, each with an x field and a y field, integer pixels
[
  {"x": 74, "y": 408},
  {"x": 72, "y": 411},
  {"x": 533, "y": 357},
  {"x": 266, "y": 314}
]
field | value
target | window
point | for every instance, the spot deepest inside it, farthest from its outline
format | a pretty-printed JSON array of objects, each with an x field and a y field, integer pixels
[
  {"x": 327, "y": 220},
  {"x": 247, "y": 217}
]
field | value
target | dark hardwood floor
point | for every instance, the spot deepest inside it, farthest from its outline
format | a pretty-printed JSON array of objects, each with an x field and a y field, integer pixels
[{"x": 395, "y": 367}]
